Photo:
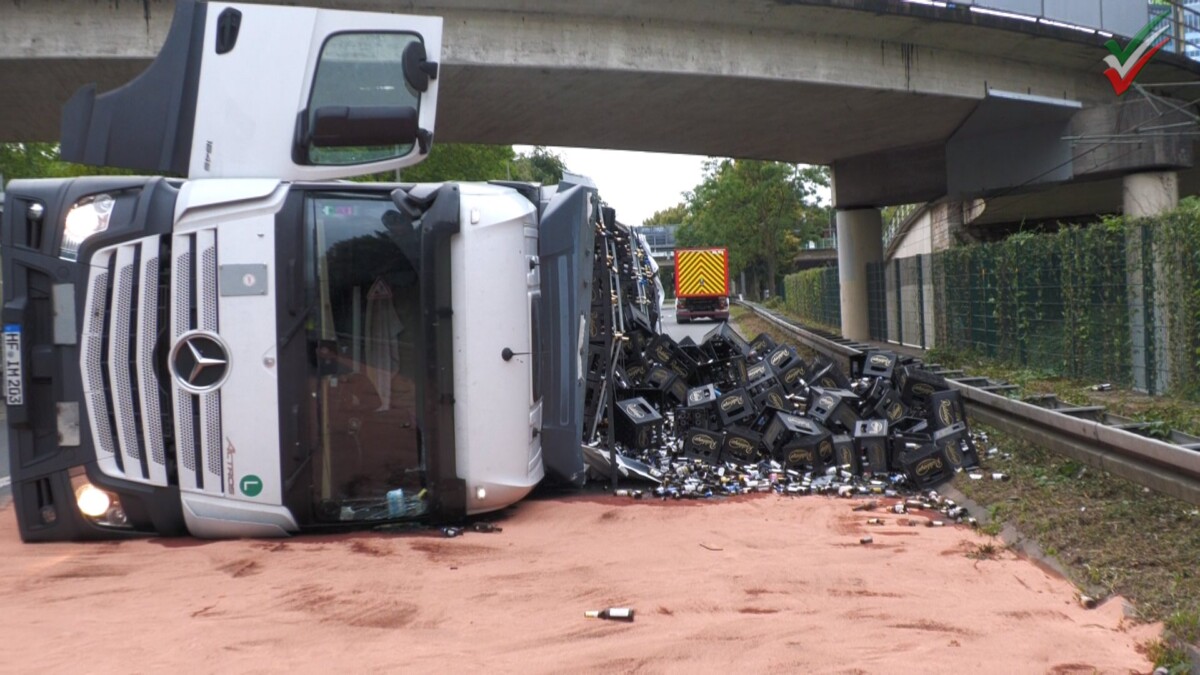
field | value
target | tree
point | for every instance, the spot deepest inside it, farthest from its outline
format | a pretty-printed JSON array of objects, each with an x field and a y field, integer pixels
[
  {"x": 674, "y": 215},
  {"x": 540, "y": 166},
  {"x": 471, "y": 162},
  {"x": 446, "y": 161},
  {"x": 41, "y": 160},
  {"x": 460, "y": 161},
  {"x": 761, "y": 211}
]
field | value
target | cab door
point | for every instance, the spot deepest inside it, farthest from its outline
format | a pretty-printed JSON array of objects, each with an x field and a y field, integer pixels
[{"x": 255, "y": 91}]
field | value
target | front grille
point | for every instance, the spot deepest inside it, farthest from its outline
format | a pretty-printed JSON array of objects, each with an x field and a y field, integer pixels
[
  {"x": 198, "y": 416},
  {"x": 119, "y": 338}
]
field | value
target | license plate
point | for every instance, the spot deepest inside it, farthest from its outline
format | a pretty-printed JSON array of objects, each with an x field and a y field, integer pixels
[{"x": 14, "y": 381}]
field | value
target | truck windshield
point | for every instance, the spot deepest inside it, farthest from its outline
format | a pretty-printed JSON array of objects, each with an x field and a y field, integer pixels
[{"x": 366, "y": 336}]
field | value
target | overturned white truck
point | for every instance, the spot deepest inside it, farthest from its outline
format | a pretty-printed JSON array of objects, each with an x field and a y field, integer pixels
[{"x": 261, "y": 348}]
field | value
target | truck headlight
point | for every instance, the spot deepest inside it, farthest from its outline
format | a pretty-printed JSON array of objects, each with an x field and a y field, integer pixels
[
  {"x": 93, "y": 502},
  {"x": 97, "y": 504},
  {"x": 87, "y": 217}
]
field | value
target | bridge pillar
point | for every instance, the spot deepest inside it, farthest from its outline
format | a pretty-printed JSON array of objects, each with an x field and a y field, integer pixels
[
  {"x": 1146, "y": 195},
  {"x": 859, "y": 241},
  {"x": 1150, "y": 194}
]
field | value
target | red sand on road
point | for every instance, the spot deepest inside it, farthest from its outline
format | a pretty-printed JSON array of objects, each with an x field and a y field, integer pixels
[{"x": 764, "y": 584}]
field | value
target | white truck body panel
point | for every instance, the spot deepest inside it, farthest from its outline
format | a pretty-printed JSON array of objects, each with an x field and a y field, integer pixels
[{"x": 493, "y": 262}]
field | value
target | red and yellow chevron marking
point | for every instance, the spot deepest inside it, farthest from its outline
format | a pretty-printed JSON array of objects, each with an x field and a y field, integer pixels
[{"x": 701, "y": 272}]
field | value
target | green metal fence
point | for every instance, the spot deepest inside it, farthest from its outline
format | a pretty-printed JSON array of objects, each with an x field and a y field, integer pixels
[
  {"x": 900, "y": 301},
  {"x": 815, "y": 296},
  {"x": 1058, "y": 303},
  {"x": 1117, "y": 302}
]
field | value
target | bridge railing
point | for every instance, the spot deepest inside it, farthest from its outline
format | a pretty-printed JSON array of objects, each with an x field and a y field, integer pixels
[
  {"x": 1104, "y": 17},
  {"x": 1185, "y": 25}
]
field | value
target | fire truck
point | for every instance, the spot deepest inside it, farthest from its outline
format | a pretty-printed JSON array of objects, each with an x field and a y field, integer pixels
[
  {"x": 259, "y": 347},
  {"x": 701, "y": 284}
]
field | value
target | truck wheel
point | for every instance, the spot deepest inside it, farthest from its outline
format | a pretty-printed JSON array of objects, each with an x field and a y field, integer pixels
[{"x": 681, "y": 319}]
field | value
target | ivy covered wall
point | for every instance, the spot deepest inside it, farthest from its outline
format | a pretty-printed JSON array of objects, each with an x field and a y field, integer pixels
[
  {"x": 815, "y": 296},
  {"x": 1117, "y": 302}
]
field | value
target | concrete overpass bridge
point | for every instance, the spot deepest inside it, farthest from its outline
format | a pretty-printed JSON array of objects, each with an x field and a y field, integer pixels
[{"x": 908, "y": 102}]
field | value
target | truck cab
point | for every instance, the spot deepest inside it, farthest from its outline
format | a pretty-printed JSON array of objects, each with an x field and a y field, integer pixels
[{"x": 258, "y": 347}]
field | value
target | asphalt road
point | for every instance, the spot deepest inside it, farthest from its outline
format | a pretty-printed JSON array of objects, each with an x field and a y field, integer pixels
[{"x": 696, "y": 329}]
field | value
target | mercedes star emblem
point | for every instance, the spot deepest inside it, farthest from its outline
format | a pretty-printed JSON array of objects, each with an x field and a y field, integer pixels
[{"x": 199, "y": 362}]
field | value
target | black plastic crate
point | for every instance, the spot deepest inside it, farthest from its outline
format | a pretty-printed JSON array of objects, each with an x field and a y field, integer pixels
[
  {"x": 635, "y": 346},
  {"x": 663, "y": 388},
  {"x": 785, "y": 427},
  {"x": 879, "y": 363},
  {"x": 726, "y": 342},
  {"x": 834, "y": 408},
  {"x": 945, "y": 409},
  {"x": 925, "y": 466},
  {"x": 636, "y": 371},
  {"x": 757, "y": 371},
  {"x": 636, "y": 318},
  {"x": 723, "y": 373},
  {"x": 703, "y": 395},
  {"x": 703, "y": 444},
  {"x": 698, "y": 417},
  {"x": 808, "y": 453},
  {"x": 886, "y": 403},
  {"x": 763, "y": 344},
  {"x": 871, "y": 441},
  {"x": 792, "y": 379},
  {"x": 917, "y": 386},
  {"x": 783, "y": 357},
  {"x": 742, "y": 445},
  {"x": 662, "y": 349},
  {"x": 601, "y": 323},
  {"x": 827, "y": 375},
  {"x": 598, "y": 360},
  {"x": 774, "y": 397},
  {"x": 845, "y": 455},
  {"x": 955, "y": 441},
  {"x": 735, "y": 406},
  {"x": 760, "y": 386},
  {"x": 639, "y": 425}
]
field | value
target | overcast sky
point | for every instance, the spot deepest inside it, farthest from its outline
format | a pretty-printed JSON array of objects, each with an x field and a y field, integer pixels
[{"x": 636, "y": 184}]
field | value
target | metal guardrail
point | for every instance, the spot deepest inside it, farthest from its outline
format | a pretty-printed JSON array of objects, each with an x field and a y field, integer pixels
[{"x": 1086, "y": 434}]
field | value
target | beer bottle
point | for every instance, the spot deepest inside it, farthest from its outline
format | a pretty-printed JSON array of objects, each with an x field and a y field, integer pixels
[{"x": 611, "y": 613}]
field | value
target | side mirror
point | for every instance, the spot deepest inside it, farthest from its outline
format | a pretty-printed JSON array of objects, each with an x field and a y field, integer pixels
[{"x": 418, "y": 69}]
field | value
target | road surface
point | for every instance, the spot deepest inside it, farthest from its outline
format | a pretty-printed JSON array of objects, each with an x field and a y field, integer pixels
[{"x": 695, "y": 330}]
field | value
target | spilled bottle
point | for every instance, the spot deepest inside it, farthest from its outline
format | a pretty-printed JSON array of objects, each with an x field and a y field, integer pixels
[{"x": 611, "y": 613}]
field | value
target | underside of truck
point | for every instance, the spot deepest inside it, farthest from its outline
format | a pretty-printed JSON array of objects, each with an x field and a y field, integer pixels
[{"x": 688, "y": 309}]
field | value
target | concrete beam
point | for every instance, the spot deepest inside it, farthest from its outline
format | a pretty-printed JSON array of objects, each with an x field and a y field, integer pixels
[
  {"x": 815, "y": 81},
  {"x": 1010, "y": 141},
  {"x": 900, "y": 176},
  {"x": 1135, "y": 134}
]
